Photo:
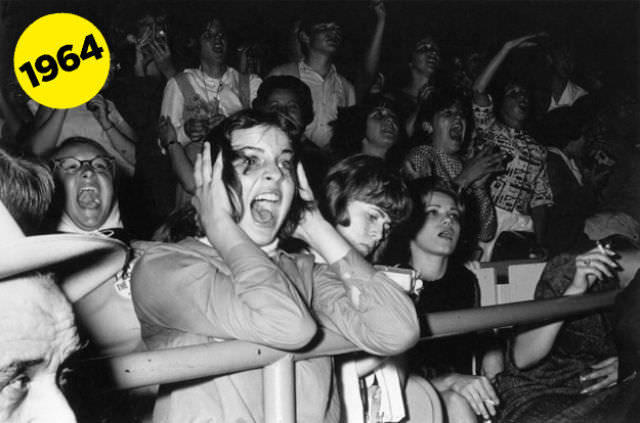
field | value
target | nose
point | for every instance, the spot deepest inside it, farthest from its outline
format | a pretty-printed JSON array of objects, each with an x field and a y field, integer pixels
[
  {"x": 378, "y": 232},
  {"x": 87, "y": 171},
  {"x": 272, "y": 172}
]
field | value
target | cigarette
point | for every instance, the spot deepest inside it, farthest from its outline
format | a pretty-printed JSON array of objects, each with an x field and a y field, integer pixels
[
  {"x": 601, "y": 248},
  {"x": 490, "y": 401}
]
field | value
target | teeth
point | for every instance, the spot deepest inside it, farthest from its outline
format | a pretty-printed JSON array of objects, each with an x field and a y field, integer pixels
[
  {"x": 93, "y": 189},
  {"x": 268, "y": 197}
]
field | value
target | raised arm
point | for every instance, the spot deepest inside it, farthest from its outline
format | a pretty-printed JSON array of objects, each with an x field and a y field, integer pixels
[
  {"x": 121, "y": 142},
  {"x": 533, "y": 345},
  {"x": 239, "y": 294},
  {"x": 182, "y": 157},
  {"x": 482, "y": 82},
  {"x": 46, "y": 127},
  {"x": 372, "y": 52}
]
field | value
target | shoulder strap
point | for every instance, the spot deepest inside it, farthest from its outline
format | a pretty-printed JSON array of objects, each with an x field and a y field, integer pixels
[{"x": 185, "y": 87}]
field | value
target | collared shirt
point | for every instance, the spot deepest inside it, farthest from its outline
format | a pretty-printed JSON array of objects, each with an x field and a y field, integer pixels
[
  {"x": 571, "y": 93},
  {"x": 214, "y": 96},
  {"x": 328, "y": 94},
  {"x": 525, "y": 183},
  {"x": 186, "y": 294}
]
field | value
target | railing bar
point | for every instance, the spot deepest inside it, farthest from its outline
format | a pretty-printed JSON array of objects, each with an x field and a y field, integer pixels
[
  {"x": 279, "y": 392},
  {"x": 185, "y": 363}
]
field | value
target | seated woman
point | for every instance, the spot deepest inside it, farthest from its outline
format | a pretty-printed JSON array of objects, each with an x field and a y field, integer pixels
[
  {"x": 426, "y": 243},
  {"x": 227, "y": 279},
  {"x": 566, "y": 371},
  {"x": 370, "y": 130},
  {"x": 363, "y": 199},
  {"x": 443, "y": 133}
]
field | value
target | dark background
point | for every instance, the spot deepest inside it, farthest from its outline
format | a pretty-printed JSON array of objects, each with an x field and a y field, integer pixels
[{"x": 605, "y": 32}]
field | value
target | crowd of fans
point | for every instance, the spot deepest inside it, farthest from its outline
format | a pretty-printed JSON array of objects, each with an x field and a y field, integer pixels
[{"x": 268, "y": 206}]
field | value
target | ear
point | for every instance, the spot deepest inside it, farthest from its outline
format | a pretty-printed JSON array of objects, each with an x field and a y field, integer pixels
[{"x": 427, "y": 127}]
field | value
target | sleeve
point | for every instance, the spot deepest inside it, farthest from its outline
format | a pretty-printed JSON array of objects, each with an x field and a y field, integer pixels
[
  {"x": 418, "y": 160},
  {"x": 254, "y": 83},
  {"x": 556, "y": 277},
  {"x": 350, "y": 93},
  {"x": 172, "y": 106},
  {"x": 483, "y": 116},
  {"x": 542, "y": 195},
  {"x": 256, "y": 302},
  {"x": 363, "y": 305}
]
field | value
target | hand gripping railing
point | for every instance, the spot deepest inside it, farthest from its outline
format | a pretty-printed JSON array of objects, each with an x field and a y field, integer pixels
[{"x": 185, "y": 363}]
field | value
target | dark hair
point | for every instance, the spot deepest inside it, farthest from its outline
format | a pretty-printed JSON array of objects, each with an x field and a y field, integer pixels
[
  {"x": 397, "y": 248},
  {"x": 286, "y": 82},
  {"x": 367, "y": 179},
  {"x": 350, "y": 128},
  {"x": 184, "y": 222},
  {"x": 26, "y": 188},
  {"x": 436, "y": 102}
]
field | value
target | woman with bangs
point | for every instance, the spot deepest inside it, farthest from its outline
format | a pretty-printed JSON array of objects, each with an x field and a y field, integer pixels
[
  {"x": 443, "y": 129},
  {"x": 371, "y": 130},
  {"x": 226, "y": 278},
  {"x": 427, "y": 243}
]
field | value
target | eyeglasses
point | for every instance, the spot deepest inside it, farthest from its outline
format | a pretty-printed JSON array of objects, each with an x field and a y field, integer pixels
[{"x": 99, "y": 164}]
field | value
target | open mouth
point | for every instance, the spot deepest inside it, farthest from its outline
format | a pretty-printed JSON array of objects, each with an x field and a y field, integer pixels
[
  {"x": 264, "y": 208},
  {"x": 89, "y": 197},
  {"x": 448, "y": 235},
  {"x": 389, "y": 131},
  {"x": 456, "y": 132}
]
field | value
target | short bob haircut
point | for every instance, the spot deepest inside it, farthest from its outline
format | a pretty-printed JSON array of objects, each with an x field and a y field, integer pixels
[
  {"x": 26, "y": 188},
  {"x": 397, "y": 249},
  {"x": 438, "y": 101},
  {"x": 292, "y": 84},
  {"x": 367, "y": 179},
  {"x": 185, "y": 223}
]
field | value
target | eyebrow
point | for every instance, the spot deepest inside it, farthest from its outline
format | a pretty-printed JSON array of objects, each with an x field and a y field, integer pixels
[
  {"x": 260, "y": 150},
  {"x": 10, "y": 370}
]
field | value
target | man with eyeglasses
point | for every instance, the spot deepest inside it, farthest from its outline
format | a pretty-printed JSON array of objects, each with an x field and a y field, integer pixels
[{"x": 320, "y": 39}]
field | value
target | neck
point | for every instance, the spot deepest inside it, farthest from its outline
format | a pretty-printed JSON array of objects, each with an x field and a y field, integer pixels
[
  {"x": 630, "y": 264},
  {"x": 429, "y": 266},
  {"x": 213, "y": 69},
  {"x": 513, "y": 123},
  {"x": 373, "y": 150},
  {"x": 319, "y": 62},
  {"x": 418, "y": 80}
]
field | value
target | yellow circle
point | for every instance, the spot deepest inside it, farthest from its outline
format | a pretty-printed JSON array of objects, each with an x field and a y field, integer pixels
[{"x": 73, "y": 45}]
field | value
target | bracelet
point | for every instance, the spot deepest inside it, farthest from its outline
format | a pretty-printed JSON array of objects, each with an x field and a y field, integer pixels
[{"x": 170, "y": 143}]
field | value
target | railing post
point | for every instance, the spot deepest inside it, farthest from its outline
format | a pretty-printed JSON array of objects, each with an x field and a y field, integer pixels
[{"x": 279, "y": 391}]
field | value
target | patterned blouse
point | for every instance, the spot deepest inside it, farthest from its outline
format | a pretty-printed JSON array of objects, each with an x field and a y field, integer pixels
[
  {"x": 525, "y": 183},
  {"x": 427, "y": 161}
]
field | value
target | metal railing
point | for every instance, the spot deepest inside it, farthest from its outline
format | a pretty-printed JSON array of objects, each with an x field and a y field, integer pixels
[{"x": 185, "y": 363}]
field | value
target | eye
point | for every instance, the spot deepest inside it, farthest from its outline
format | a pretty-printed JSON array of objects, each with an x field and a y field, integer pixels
[
  {"x": 100, "y": 164},
  {"x": 17, "y": 387},
  {"x": 70, "y": 165},
  {"x": 454, "y": 216},
  {"x": 286, "y": 164}
]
